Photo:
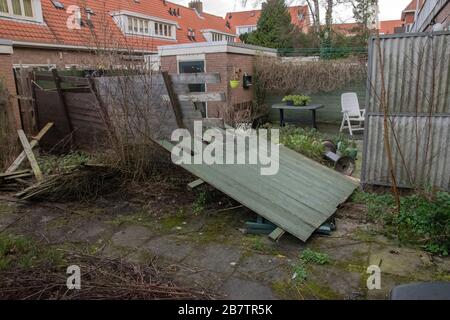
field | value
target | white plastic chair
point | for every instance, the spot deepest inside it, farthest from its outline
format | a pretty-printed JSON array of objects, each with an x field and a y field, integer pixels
[{"x": 351, "y": 112}]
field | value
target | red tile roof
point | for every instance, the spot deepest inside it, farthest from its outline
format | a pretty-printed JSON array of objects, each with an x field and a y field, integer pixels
[
  {"x": 105, "y": 32},
  {"x": 386, "y": 27},
  {"x": 250, "y": 18}
]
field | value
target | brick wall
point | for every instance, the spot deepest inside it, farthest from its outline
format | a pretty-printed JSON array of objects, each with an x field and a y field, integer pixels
[
  {"x": 223, "y": 63},
  {"x": 57, "y": 57},
  {"x": 7, "y": 77}
]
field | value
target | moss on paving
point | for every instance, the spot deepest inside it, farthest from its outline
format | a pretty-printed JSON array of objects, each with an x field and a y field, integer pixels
[
  {"x": 292, "y": 290},
  {"x": 19, "y": 251},
  {"x": 5, "y": 208}
]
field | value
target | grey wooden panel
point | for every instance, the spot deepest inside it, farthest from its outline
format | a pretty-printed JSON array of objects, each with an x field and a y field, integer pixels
[
  {"x": 203, "y": 97},
  {"x": 196, "y": 78}
]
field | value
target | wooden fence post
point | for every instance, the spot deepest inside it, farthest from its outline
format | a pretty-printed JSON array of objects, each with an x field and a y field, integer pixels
[{"x": 57, "y": 80}]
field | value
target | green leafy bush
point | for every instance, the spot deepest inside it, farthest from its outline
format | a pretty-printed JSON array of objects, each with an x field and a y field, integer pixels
[
  {"x": 54, "y": 164},
  {"x": 424, "y": 219},
  {"x": 311, "y": 256}
]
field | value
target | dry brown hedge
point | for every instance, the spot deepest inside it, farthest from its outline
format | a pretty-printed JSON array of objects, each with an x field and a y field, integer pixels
[{"x": 276, "y": 76}]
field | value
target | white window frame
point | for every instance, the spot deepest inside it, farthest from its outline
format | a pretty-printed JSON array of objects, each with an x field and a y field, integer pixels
[
  {"x": 151, "y": 28},
  {"x": 195, "y": 58},
  {"x": 245, "y": 29},
  {"x": 35, "y": 7}
]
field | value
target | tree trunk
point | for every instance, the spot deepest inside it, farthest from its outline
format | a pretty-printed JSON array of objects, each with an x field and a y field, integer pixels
[{"x": 329, "y": 15}]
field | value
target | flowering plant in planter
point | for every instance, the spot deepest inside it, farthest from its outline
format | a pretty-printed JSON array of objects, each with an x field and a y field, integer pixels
[
  {"x": 297, "y": 100},
  {"x": 234, "y": 82}
]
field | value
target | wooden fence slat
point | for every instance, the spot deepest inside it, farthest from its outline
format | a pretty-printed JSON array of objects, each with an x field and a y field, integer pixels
[
  {"x": 30, "y": 155},
  {"x": 195, "y": 78},
  {"x": 175, "y": 101},
  {"x": 13, "y": 167},
  {"x": 202, "y": 97},
  {"x": 57, "y": 80}
]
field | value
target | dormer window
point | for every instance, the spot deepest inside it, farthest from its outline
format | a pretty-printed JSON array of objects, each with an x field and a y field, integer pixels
[
  {"x": 138, "y": 24},
  {"x": 216, "y": 36},
  {"x": 21, "y": 9}
]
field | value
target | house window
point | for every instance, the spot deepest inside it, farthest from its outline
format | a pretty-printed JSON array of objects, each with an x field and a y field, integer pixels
[
  {"x": 145, "y": 27},
  {"x": 229, "y": 38},
  {"x": 217, "y": 37},
  {"x": 246, "y": 29},
  {"x": 163, "y": 30},
  {"x": 18, "y": 8}
]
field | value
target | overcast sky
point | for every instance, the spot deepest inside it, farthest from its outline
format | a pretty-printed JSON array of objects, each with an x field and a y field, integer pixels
[{"x": 389, "y": 9}]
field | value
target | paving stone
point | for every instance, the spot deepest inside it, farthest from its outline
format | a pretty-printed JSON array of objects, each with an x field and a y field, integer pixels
[
  {"x": 401, "y": 261},
  {"x": 264, "y": 268},
  {"x": 342, "y": 249},
  {"x": 240, "y": 289},
  {"x": 215, "y": 257},
  {"x": 131, "y": 236},
  {"x": 168, "y": 247},
  {"x": 344, "y": 283}
]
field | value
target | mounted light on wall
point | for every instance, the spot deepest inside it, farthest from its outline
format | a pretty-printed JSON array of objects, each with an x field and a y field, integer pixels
[{"x": 246, "y": 81}]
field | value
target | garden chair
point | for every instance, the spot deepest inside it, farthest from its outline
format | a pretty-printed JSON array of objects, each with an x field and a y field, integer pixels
[{"x": 351, "y": 113}]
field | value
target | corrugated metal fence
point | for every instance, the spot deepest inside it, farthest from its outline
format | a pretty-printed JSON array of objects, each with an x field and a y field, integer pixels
[{"x": 416, "y": 72}]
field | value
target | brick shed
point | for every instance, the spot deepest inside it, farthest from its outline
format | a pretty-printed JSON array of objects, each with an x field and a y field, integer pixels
[{"x": 225, "y": 58}]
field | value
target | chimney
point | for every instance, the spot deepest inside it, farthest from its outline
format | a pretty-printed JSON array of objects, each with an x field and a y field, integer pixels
[{"x": 197, "y": 5}]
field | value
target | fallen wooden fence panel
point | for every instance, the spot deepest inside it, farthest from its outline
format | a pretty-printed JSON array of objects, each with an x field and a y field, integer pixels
[{"x": 299, "y": 198}]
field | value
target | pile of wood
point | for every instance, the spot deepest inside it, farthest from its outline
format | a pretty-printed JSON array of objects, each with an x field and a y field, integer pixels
[
  {"x": 79, "y": 183},
  {"x": 15, "y": 181}
]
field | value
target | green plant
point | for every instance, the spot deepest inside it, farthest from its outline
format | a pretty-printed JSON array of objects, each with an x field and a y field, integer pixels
[
  {"x": 300, "y": 273},
  {"x": 297, "y": 100},
  {"x": 423, "y": 219},
  {"x": 274, "y": 29},
  {"x": 304, "y": 141},
  {"x": 53, "y": 164},
  {"x": 300, "y": 270},
  {"x": 310, "y": 256},
  {"x": 199, "y": 204},
  {"x": 18, "y": 251}
]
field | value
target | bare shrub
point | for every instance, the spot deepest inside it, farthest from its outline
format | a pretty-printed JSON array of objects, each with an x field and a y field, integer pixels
[
  {"x": 274, "y": 76},
  {"x": 8, "y": 139}
]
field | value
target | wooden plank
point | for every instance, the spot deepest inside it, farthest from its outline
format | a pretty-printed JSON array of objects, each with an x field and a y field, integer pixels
[
  {"x": 195, "y": 184},
  {"x": 173, "y": 99},
  {"x": 13, "y": 167},
  {"x": 13, "y": 174},
  {"x": 30, "y": 155},
  {"x": 203, "y": 97},
  {"x": 57, "y": 80},
  {"x": 276, "y": 234},
  {"x": 196, "y": 78}
]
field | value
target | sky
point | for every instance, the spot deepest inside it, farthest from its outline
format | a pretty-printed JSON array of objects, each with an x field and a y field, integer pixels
[{"x": 389, "y": 9}]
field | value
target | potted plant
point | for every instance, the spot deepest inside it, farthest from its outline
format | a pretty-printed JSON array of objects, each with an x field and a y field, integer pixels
[
  {"x": 297, "y": 100},
  {"x": 234, "y": 82}
]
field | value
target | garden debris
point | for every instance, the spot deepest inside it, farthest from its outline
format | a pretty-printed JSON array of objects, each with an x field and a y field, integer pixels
[
  {"x": 13, "y": 181},
  {"x": 34, "y": 142},
  {"x": 102, "y": 277},
  {"x": 81, "y": 182},
  {"x": 30, "y": 155}
]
